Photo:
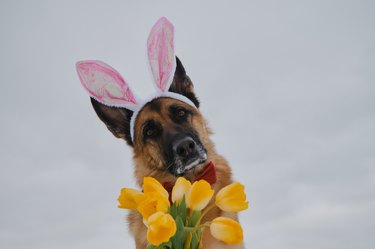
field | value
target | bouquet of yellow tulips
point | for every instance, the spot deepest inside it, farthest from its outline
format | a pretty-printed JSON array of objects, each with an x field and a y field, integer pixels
[{"x": 174, "y": 221}]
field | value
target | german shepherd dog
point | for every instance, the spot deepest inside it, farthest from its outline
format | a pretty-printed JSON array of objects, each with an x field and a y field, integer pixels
[{"x": 171, "y": 139}]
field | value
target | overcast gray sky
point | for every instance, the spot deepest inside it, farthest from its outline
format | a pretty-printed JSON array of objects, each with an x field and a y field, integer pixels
[{"x": 287, "y": 86}]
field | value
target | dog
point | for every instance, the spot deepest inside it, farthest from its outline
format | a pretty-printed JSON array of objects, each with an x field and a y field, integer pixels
[
  {"x": 171, "y": 139},
  {"x": 167, "y": 132}
]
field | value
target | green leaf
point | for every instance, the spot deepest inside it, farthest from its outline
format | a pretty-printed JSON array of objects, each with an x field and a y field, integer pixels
[
  {"x": 173, "y": 211},
  {"x": 179, "y": 238},
  {"x": 187, "y": 243},
  {"x": 161, "y": 246},
  {"x": 181, "y": 209},
  {"x": 169, "y": 245},
  {"x": 194, "y": 218},
  {"x": 192, "y": 240},
  {"x": 195, "y": 240}
]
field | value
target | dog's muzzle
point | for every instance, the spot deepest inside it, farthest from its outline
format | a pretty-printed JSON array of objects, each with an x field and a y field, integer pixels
[
  {"x": 185, "y": 148},
  {"x": 188, "y": 153}
]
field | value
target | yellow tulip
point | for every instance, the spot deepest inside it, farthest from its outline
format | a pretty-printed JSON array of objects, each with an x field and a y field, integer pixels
[
  {"x": 161, "y": 227},
  {"x": 152, "y": 203},
  {"x": 232, "y": 198},
  {"x": 181, "y": 187},
  {"x": 199, "y": 195},
  {"x": 129, "y": 198},
  {"x": 151, "y": 185},
  {"x": 227, "y": 230}
]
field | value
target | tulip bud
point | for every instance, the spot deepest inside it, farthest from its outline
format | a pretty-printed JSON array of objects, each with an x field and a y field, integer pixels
[
  {"x": 227, "y": 230},
  {"x": 150, "y": 185},
  {"x": 232, "y": 198},
  {"x": 152, "y": 203},
  {"x": 130, "y": 198},
  {"x": 161, "y": 227},
  {"x": 180, "y": 189},
  {"x": 199, "y": 195}
]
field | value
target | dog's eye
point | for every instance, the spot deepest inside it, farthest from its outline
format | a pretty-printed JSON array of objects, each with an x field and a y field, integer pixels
[
  {"x": 150, "y": 132},
  {"x": 181, "y": 113}
]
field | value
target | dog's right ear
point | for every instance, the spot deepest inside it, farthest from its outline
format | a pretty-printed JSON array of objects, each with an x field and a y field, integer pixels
[
  {"x": 117, "y": 119},
  {"x": 111, "y": 97}
]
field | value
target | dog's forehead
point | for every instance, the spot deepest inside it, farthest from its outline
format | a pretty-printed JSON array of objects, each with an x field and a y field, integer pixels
[{"x": 158, "y": 109}]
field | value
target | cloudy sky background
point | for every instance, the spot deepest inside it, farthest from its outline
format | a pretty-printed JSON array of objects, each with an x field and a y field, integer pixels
[{"x": 287, "y": 86}]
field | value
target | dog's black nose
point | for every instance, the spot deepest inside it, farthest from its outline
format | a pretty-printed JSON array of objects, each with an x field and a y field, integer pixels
[{"x": 185, "y": 147}]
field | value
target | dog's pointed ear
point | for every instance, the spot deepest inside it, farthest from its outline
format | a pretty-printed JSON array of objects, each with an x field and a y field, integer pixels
[
  {"x": 117, "y": 119},
  {"x": 111, "y": 96},
  {"x": 182, "y": 84},
  {"x": 167, "y": 70}
]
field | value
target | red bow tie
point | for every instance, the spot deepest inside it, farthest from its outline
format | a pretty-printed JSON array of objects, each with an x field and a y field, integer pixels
[{"x": 208, "y": 174}]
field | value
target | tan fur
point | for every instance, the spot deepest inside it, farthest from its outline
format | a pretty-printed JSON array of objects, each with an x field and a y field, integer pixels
[{"x": 148, "y": 162}]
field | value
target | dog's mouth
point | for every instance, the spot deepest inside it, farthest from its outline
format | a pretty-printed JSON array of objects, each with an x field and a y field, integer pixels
[
  {"x": 186, "y": 155},
  {"x": 194, "y": 163},
  {"x": 182, "y": 165}
]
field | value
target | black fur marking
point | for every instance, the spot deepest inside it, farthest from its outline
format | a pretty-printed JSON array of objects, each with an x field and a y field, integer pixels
[
  {"x": 116, "y": 119},
  {"x": 154, "y": 106},
  {"x": 179, "y": 114},
  {"x": 151, "y": 130},
  {"x": 182, "y": 84},
  {"x": 180, "y": 70}
]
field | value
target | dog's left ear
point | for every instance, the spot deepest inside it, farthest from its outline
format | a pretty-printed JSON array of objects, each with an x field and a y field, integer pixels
[{"x": 182, "y": 84}]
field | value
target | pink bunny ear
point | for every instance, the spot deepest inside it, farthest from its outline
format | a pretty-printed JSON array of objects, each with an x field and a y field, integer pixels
[
  {"x": 160, "y": 51},
  {"x": 105, "y": 84}
]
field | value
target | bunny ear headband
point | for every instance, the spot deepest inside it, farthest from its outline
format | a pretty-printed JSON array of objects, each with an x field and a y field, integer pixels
[{"x": 106, "y": 85}]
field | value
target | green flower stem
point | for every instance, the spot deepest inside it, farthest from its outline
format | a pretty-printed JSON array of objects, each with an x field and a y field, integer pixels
[
  {"x": 205, "y": 212},
  {"x": 190, "y": 235},
  {"x": 188, "y": 241},
  {"x": 190, "y": 212}
]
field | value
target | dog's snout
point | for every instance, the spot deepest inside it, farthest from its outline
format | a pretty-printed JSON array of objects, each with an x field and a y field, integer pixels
[{"x": 185, "y": 148}]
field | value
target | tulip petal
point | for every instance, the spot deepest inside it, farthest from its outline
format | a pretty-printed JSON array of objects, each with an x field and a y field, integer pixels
[
  {"x": 232, "y": 198},
  {"x": 150, "y": 185},
  {"x": 227, "y": 230},
  {"x": 130, "y": 198},
  {"x": 180, "y": 189},
  {"x": 161, "y": 227},
  {"x": 199, "y": 195},
  {"x": 152, "y": 203}
]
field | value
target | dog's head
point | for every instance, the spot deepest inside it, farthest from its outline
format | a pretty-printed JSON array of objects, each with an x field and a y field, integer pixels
[
  {"x": 167, "y": 132},
  {"x": 169, "y": 135}
]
